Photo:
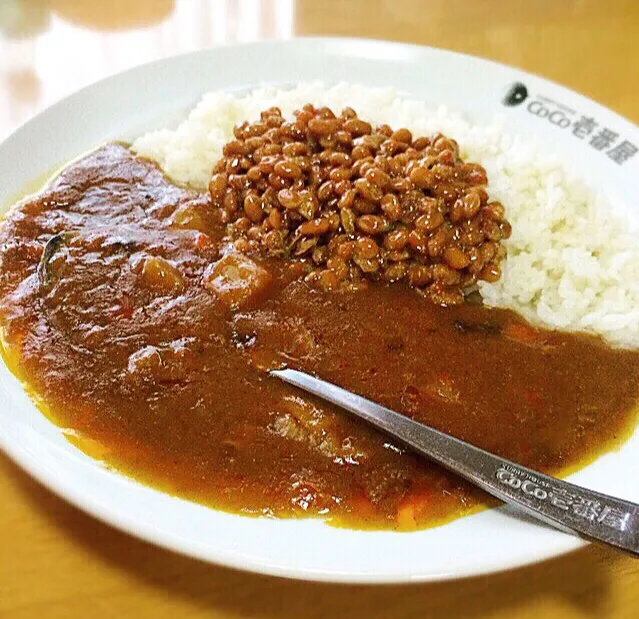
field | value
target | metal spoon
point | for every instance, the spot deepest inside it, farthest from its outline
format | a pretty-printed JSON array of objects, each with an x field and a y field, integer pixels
[{"x": 565, "y": 506}]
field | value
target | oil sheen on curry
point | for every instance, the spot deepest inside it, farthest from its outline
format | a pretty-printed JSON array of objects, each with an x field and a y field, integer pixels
[{"x": 141, "y": 316}]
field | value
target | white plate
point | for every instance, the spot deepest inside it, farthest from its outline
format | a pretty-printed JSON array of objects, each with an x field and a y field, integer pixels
[{"x": 127, "y": 104}]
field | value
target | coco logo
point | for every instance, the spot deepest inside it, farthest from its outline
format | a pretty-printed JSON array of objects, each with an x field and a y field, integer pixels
[
  {"x": 526, "y": 486},
  {"x": 555, "y": 117},
  {"x": 516, "y": 95}
]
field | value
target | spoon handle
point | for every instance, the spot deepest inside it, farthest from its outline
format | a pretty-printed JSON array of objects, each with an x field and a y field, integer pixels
[{"x": 565, "y": 506}]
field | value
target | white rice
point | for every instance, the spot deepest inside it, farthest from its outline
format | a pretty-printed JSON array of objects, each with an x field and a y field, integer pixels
[{"x": 571, "y": 264}]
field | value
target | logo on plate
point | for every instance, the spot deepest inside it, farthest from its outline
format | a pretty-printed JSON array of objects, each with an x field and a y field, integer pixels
[{"x": 516, "y": 95}]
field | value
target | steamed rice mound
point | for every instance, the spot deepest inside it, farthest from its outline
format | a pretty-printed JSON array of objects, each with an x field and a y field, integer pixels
[{"x": 571, "y": 264}]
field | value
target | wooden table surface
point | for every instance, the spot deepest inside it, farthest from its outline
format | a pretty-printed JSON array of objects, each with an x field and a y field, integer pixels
[{"x": 55, "y": 561}]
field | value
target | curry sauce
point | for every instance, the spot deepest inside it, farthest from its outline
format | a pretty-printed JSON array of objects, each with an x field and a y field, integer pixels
[{"x": 146, "y": 338}]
